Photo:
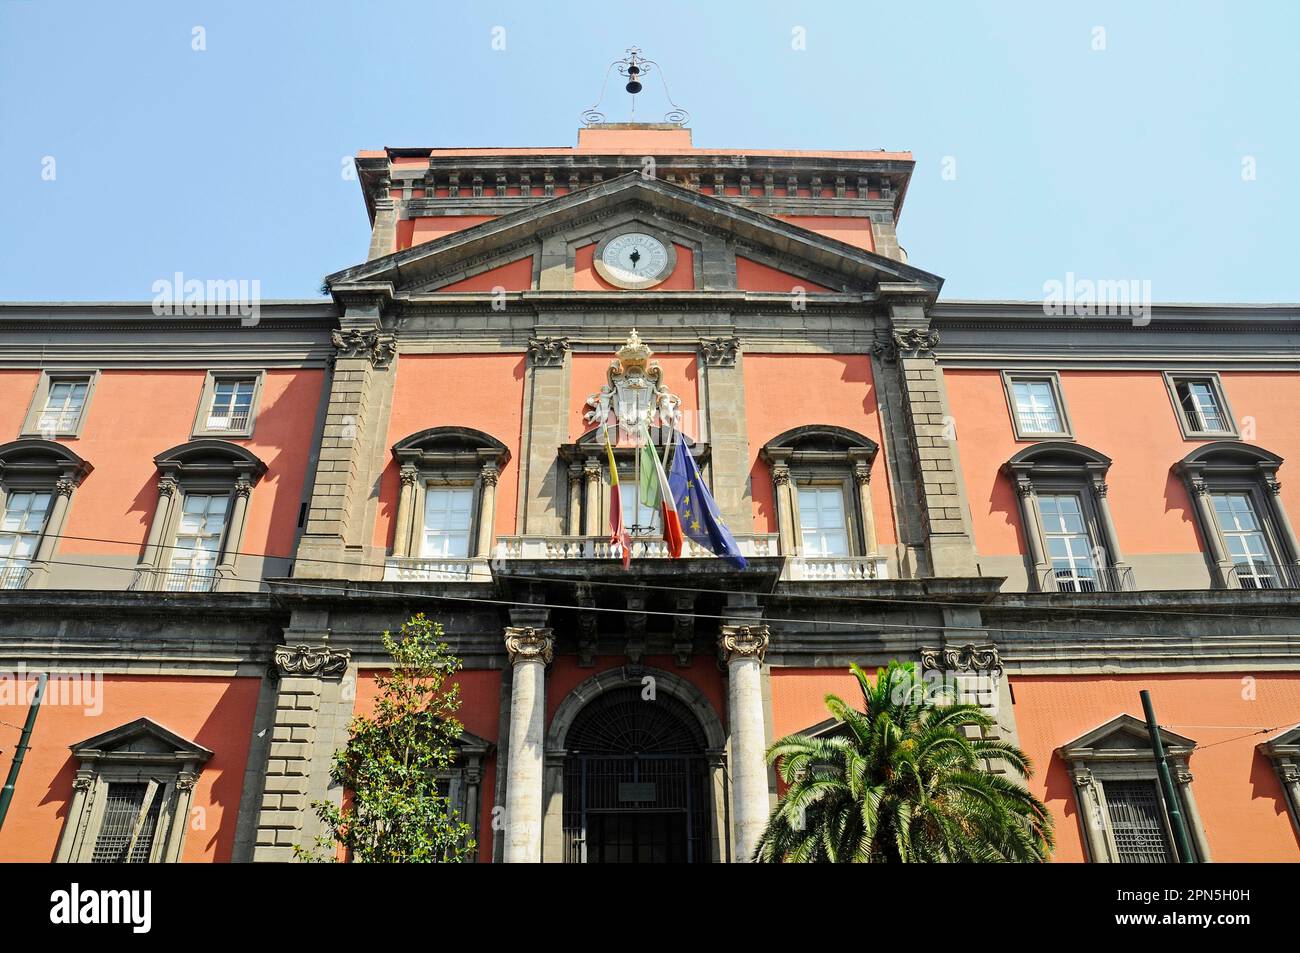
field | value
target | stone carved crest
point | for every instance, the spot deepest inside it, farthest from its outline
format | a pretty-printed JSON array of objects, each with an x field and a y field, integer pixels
[
  {"x": 634, "y": 393},
  {"x": 965, "y": 658},
  {"x": 319, "y": 661}
]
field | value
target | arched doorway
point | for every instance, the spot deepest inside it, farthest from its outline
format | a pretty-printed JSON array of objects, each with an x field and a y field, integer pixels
[{"x": 636, "y": 781}]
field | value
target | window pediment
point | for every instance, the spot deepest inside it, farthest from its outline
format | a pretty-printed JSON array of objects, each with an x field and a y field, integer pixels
[
  {"x": 42, "y": 460},
  {"x": 1124, "y": 738},
  {"x": 211, "y": 459},
  {"x": 142, "y": 740},
  {"x": 1227, "y": 458},
  {"x": 1057, "y": 458},
  {"x": 450, "y": 448},
  {"x": 819, "y": 444}
]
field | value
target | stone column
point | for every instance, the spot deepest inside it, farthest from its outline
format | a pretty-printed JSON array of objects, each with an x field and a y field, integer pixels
[
  {"x": 592, "y": 487},
  {"x": 487, "y": 512},
  {"x": 1109, "y": 534},
  {"x": 300, "y": 670},
  {"x": 403, "y": 523},
  {"x": 575, "y": 500},
  {"x": 784, "y": 493},
  {"x": 1094, "y": 825},
  {"x": 1284, "y": 526},
  {"x": 63, "y": 488},
  {"x": 530, "y": 651},
  {"x": 153, "y": 553},
  {"x": 1200, "y": 491},
  {"x": 235, "y": 527},
  {"x": 862, "y": 477},
  {"x": 742, "y": 648},
  {"x": 1191, "y": 816},
  {"x": 1031, "y": 526}
]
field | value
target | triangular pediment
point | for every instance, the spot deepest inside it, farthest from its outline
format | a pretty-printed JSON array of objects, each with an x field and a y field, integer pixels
[
  {"x": 684, "y": 215},
  {"x": 1122, "y": 738},
  {"x": 1285, "y": 744},
  {"x": 141, "y": 740}
]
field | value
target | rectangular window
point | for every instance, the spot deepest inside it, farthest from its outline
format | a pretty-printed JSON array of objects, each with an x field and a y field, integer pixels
[
  {"x": 64, "y": 403},
  {"x": 822, "y": 521},
  {"x": 20, "y": 535},
  {"x": 130, "y": 821},
  {"x": 1069, "y": 548},
  {"x": 198, "y": 543},
  {"x": 1243, "y": 538},
  {"x": 232, "y": 404},
  {"x": 1200, "y": 405},
  {"x": 637, "y": 517},
  {"x": 1137, "y": 823},
  {"x": 447, "y": 521},
  {"x": 1037, "y": 409}
]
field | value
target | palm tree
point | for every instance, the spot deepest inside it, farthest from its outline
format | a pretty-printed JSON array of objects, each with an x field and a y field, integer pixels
[{"x": 902, "y": 782}]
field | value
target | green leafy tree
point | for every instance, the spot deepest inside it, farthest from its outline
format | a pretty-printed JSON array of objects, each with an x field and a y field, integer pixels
[
  {"x": 902, "y": 782},
  {"x": 394, "y": 810}
]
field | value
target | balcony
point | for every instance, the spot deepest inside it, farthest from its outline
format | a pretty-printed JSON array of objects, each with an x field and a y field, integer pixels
[
  {"x": 836, "y": 568},
  {"x": 1259, "y": 575},
  {"x": 14, "y": 576},
  {"x": 1088, "y": 579},
  {"x": 178, "y": 580},
  {"x": 436, "y": 569}
]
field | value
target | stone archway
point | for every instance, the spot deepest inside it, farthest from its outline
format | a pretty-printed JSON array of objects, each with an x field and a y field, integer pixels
[{"x": 655, "y": 775}]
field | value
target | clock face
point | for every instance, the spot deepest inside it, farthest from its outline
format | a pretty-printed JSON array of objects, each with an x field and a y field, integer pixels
[{"x": 634, "y": 260}]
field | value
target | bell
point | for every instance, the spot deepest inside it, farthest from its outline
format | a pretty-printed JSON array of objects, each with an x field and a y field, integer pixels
[{"x": 633, "y": 84}]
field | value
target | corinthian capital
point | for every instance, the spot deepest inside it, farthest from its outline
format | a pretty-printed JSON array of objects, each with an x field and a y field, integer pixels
[
  {"x": 526, "y": 644},
  {"x": 743, "y": 641}
]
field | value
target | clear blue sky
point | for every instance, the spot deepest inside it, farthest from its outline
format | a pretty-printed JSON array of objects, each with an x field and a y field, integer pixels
[{"x": 225, "y": 163}]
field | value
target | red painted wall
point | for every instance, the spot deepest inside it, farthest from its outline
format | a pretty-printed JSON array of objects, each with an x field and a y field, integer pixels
[
  {"x": 515, "y": 276},
  {"x": 1150, "y": 504},
  {"x": 834, "y": 389},
  {"x": 417, "y": 231},
  {"x": 117, "y": 501},
  {"x": 798, "y": 696},
  {"x": 217, "y": 713},
  {"x": 480, "y": 713},
  {"x": 851, "y": 231},
  {"x": 483, "y": 391},
  {"x": 1237, "y": 791},
  {"x": 752, "y": 276}
]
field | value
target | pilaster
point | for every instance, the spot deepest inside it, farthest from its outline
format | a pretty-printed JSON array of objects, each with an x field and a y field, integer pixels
[
  {"x": 722, "y": 372},
  {"x": 543, "y": 477}
]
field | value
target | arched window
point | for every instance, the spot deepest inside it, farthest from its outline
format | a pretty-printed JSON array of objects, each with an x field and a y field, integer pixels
[
  {"x": 446, "y": 506},
  {"x": 204, "y": 488},
  {"x": 1237, "y": 498},
  {"x": 1066, "y": 518},
  {"x": 37, "y": 480},
  {"x": 821, "y": 482}
]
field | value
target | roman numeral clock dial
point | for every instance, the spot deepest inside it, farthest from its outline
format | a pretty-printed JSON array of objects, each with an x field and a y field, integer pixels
[{"x": 634, "y": 260}]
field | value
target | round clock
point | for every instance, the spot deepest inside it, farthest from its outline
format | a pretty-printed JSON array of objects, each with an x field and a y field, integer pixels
[{"x": 634, "y": 260}]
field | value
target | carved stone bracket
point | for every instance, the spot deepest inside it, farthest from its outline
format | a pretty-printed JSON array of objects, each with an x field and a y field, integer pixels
[
  {"x": 374, "y": 346},
  {"x": 547, "y": 352},
  {"x": 527, "y": 644},
  {"x": 720, "y": 351},
  {"x": 743, "y": 641},
  {"x": 965, "y": 658},
  {"x": 915, "y": 342},
  {"x": 684, "y": 629},
  {"x": 313, "y": 661}
]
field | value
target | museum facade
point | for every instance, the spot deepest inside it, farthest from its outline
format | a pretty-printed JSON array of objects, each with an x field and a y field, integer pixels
[{"x": 209, "y": 520}]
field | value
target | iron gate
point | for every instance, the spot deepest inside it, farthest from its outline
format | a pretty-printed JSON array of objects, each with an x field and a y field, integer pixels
[{"x": 646, "y": 808}]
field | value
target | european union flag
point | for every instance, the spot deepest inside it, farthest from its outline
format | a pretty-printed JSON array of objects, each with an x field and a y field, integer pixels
[{"x": 700, "y": 519}]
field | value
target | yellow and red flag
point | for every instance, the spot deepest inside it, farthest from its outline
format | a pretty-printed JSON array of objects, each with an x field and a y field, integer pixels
[{"x": 618, "y": 533}]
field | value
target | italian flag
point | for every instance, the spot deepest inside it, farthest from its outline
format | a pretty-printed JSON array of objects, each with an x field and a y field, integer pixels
[
  {"x": 617, "y": 528},
  {"x": 655, "y": 492}
]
